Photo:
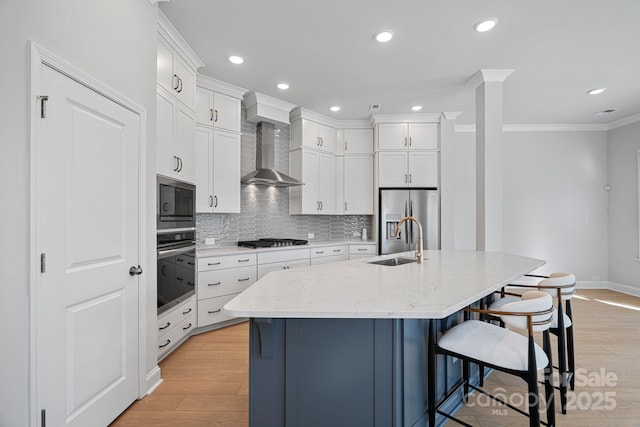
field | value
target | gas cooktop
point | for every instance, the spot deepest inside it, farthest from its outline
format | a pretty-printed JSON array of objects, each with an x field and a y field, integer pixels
[{"x": 271, "y": 243}]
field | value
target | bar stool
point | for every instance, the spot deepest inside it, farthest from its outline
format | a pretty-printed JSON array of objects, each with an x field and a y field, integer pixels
[
  {"x": 502, "y": 349},
  {"x": 561, "y": 286}
]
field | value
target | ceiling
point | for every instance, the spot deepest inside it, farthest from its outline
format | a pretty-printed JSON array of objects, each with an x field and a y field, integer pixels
[{"x": 326, "y": 51}]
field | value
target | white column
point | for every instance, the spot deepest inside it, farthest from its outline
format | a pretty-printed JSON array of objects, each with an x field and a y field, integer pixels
[
  {"x": 447, "y": 179},
  {"x": 489, "y": 157}
]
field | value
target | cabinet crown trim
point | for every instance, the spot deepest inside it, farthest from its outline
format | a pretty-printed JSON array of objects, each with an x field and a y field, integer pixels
[
  {"x": 262, "y": 107},
  {"x": 403, "y": 118},
  {"x": 171, "y": 34},
  {"x": 216, "y": 85}
]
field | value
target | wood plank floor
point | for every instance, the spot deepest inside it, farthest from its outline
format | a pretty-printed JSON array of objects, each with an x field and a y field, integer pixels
[{"x": 206, "y": 379}]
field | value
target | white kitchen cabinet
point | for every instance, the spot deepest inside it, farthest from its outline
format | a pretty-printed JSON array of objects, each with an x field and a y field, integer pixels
[
  {"x": 310, "y": 134},
  {"x": 220, "y": 278},
  {"x": 362, "y": 250},
  {"x": 407, "y": 168},
  {"x": 174, "y": 74},
  {"x": 357, "y": 185},
  {"x": 318, "y": 172},
  {"x": 412, "y": 136},
  {"x": 327, "y": 254},
  {"x": 175, "y": 325},
  {"x": 218, "y": 110},
  {"x": 175, "y": 150},
  {"x": 356, "y": 141},
  {"x": 217, "y": 162}
]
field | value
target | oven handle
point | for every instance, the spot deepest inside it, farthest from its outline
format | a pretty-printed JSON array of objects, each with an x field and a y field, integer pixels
[{"x": 168, "y": 252}]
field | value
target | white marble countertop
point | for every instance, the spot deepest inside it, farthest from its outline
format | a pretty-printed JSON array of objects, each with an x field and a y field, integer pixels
[
  {"x": 446, "y": 282},
  {"x": 231, "y": 250}
]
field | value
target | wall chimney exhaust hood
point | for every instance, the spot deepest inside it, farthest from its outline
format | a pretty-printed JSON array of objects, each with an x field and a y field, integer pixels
[{"x": 265, "y": 173}]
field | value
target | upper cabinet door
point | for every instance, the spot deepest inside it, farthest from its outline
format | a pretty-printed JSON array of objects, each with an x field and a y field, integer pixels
[
  {"x": 226, "y": 112},
  {"x": 166, "y": 78},
  {"x": 175, "y": 75},
  {"x": 204, "y": 179},
  {"x": 328, "y": 138},
  {"x": 226, "y": 171},
  {"x": 187, "y": 84},
  {"x": 392, "y": 169},
  {"x": 357, "y": 141},
  {"x": 392, "y": 136},
  {"x": 358, "y": 185},
  {"x": 423, "y": 169},
  {"x": 204, "y": 106},
  {"x": 423, "y": 136}
]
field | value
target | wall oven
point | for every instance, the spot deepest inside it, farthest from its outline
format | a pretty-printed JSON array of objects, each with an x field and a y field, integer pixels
[
  {"x": 175, "y": 204},
  {"x": 176, "y": 242}
]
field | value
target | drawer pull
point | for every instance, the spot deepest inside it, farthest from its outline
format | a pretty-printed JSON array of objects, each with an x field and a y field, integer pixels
[
  {"x": 179, "y": 260},
  {"x": 187, "y": 327},
  {"x": 180, "y": 278},
  {"x": 215, "y": 311},
  {"x": 243, "y": 260},
  {"x": 191, "y": 284},
  {"x": 165, "y": 326},
  {"x": 214, "y": 284},
  {"x": 191, "y": 263},
  {"x": 214, "y": 263},
  {"x": 319, "y": 252},
  {"x": 337, "y": 250},
  {"x": 165, "y": 344},
  {"x": 188, "y": 311},
  {"x": 243, "y": 280},
  {"x": 362, "y": 249}
]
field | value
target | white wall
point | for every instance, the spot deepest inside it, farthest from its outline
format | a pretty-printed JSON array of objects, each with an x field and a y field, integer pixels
[
  {"x": 555, "y": 207},
  {"x": 623, "y": 145},
  {"x": 112, "y": 40}
]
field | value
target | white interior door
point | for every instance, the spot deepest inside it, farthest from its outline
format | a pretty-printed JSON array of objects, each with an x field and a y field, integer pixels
[{"x": 87, "y": 227}]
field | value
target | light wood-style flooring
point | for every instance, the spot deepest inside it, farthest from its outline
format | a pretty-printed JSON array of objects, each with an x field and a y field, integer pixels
[{"x": 206, "y": 379}]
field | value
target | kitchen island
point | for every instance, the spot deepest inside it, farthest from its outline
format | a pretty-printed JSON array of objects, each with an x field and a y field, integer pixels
[{"x": 345, "y": 344}]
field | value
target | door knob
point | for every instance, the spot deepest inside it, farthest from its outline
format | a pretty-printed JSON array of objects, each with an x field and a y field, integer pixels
[{"x": 135, "y": 270}]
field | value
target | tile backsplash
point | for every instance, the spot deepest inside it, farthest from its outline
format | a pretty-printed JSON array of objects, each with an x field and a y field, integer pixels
[{"x": 265, "y": 210}]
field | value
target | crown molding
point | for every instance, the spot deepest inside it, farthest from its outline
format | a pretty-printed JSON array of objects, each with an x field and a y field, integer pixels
[
  {"x": 154, "y": 2},
  {"x": 173, "y": 37},
  {"x": 405, "y": 118},
  {"x": 489, "y": 75},
  {"x": 623, "y": 122},
  {"x": 220, "y": 86},
  {"x": 302, "y": 113},
  {"x": 450, "y": 115}
]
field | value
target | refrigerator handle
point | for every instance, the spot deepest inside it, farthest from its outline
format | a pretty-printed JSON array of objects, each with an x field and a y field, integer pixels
[
  {"x": 406, "y": 226},
  {"x": 411, "y": 225}
]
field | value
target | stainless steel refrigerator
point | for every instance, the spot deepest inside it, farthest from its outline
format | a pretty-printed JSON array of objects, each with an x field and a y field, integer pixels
[{"x": 424, "y": 204}]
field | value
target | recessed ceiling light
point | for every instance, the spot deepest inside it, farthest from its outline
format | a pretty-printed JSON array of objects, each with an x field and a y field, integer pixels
[
  {"x": 283, "y": 86},
  {"x": 384, "y": 36},
  {"x": 416, "y": 107},
  {"x": 485, "y": 25},
  {"x": 235, "y": 59},
  {"x": 596, "y": 91},
  {"x": 334, "y": 108}
]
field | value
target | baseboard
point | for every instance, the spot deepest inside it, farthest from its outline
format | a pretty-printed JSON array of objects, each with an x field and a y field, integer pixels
[
  {"x": 153, "y": 379},
  {"x": 625, "y": 289},
  {"x": 591, "y": 285}
]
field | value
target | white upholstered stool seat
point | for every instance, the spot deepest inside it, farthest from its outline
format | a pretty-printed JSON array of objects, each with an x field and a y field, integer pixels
[
  {"x": 497, "y": 305},
  {"x": 492, "y": 345}
]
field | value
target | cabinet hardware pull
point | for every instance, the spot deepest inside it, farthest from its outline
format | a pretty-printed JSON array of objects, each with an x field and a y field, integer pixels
[
  {"x": 214, "y": 284},
  {"x": 345, "y": 146},
  {"x": 211, "y": 111},
  {"x": 180, "y": 81},
  {"x": 405, "y": 141},
  {"x": 180, "y": 259},
  {"x": 216, "y": 204},
  {"x": 176, "y": 168},
  {"x": 410, "y": 141},
  {"x": 213, "y": 263},
  {"x": 321, "y": 142},
  {"x": 215, "y": 311},
  {"x": 180, "y": 160},
  {"x": 210, "y": 201},
  {"x": 405, "y": 178},
  {"x": 190, "y": 284},
  {"x": 187, "y": 327},
  {"x": 216, "y": 120},
  {"x": 165, "y": 326},
  {"x": 345, "y": 206},
  {"x": 188, "y": 311},
  {"x": 362, "y": 249},
  {"x": 180, "y": 278},
  {"x": 243, "y": 280},
  {"x": 321, "y": 206},
  {"x": 410, "y": 178},
  {"x": 175, "y": 85},
  {"x": 243, "y": 260},
  {"x": 337, "y": 250},
  {"x": 319, "y": 252},
  {"x": 165, "y": 344},
  {"x": 190, "y": 263}
]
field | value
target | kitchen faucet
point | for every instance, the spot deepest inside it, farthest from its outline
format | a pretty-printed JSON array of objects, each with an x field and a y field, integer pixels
[{"x": 419, "y": 246}]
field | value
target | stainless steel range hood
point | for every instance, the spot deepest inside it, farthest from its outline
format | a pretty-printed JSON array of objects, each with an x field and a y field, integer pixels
[{"x": 265, "y": 173}]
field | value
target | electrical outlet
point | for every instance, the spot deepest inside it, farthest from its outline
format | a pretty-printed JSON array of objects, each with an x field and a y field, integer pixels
[
  {"x": 209, "y": 240},
  {"x": 310, "y": 236}
]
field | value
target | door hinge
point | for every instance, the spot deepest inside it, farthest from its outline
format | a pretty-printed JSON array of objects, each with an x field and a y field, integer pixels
[
  {"x": 43, "y": 106},
  {"x": 43, "y": 263},
  {"x": 43, "y": 418}
]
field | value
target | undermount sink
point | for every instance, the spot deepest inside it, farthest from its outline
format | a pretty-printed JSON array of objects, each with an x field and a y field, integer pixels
[{"x": 394, "y": 261}]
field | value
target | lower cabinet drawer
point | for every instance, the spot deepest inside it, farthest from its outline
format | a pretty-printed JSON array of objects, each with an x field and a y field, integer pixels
[
  {"x": 168, "y": 340},
  {"x": 215, "y": 283},
  {"x": 328, "y": 259},
  {"x": 169, "y": 319},
  {"x": 211, "y": 311}
]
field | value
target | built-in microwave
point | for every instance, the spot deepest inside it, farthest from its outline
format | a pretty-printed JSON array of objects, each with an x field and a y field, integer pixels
[{"x": 175, "y": 204}]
